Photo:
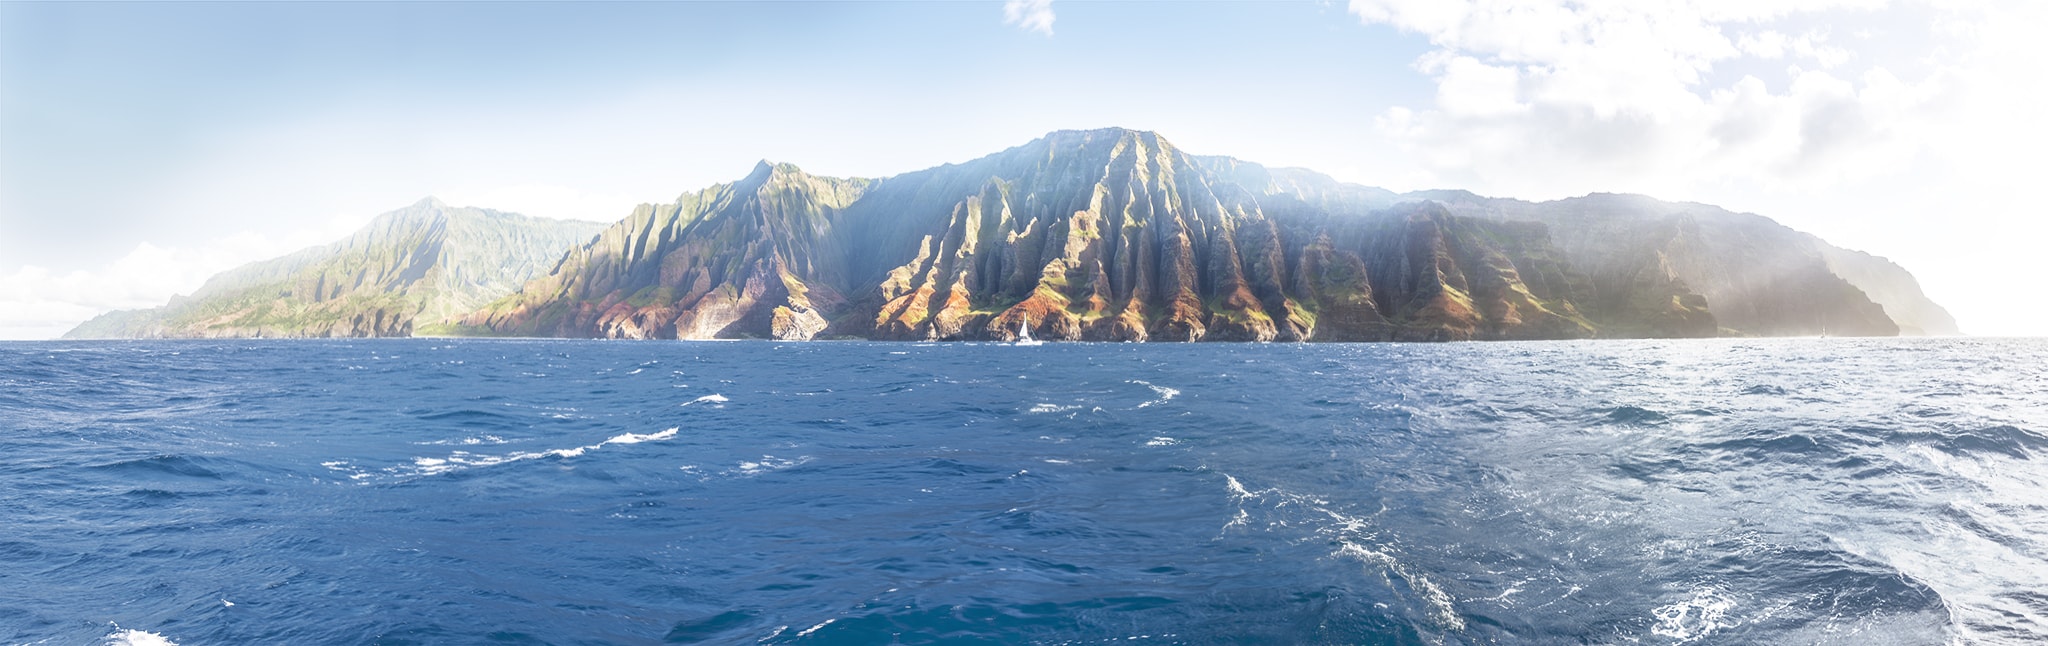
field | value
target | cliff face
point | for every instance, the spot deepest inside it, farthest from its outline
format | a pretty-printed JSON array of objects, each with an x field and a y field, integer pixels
[
  {"x": 1116, "y": 235},
  {"x": 1760, "y": 277},
  {"x": 751, "y": 258},
  {"x": 1891, "y": 287},
  {"x": 407, "y": 272},
  {"x": 1105, "y": 235}
]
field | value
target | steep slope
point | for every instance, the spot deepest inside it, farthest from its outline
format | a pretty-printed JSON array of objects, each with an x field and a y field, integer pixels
[
  {"x": 1893, "y": 287},
  {"x": 408, "y": 272},
  {"x": 1760, "y": 277},
  {"x": 1099, "y": 235},
  {"x": 751, "y": 258}
]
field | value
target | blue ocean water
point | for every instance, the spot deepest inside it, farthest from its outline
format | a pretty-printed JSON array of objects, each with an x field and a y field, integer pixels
[{"x": 584, "y": 492}]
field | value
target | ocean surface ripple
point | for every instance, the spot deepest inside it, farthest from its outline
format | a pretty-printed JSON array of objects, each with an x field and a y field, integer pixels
[{"x": 432, "y": 491}]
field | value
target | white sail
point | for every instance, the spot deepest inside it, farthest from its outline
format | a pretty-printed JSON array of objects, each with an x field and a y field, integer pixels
[{"x": 1024, "y": 334}]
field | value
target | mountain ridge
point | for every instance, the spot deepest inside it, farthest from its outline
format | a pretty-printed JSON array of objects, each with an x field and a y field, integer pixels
[
  {"x": 408, "y": 271},
  {"x": 1106, "y": 234},
  {"x": 1115, "y": 234}
]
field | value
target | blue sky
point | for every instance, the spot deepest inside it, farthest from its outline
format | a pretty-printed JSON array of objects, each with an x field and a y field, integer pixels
[
  {"x": 134, "y": 97},
  {"x": 144, "y": 146}
]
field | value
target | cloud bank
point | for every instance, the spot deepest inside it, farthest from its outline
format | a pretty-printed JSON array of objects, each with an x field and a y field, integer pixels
[
  {"x": 1545, "y": 98},
  {"x": 38, "y": 303},
  {"x": 1905, "y": 127}
]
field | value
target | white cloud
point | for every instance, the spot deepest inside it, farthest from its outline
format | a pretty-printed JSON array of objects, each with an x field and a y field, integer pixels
[
  {"x": 1764, "y": 44},
  {"x": 1905, "y": 128},
  {"x": 1551, "y": 98},
  {"x": 39, "y": 303},
  {"x": 1470, "y": 87},
  {"x": 1029, "y": 15}
]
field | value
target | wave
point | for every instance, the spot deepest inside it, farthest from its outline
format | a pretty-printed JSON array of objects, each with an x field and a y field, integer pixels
[
  {"x": 636, "y": 438},
  {"x": 713, "y": 398},
  {"x": 465, "y": 415},
  {"x": 1692, "y": 619},
  {"x": 133, "y": 637},
  {"x": 708, "y": 628},
  {"x": 473, "y": 440},
  {"x": 1660, "y": 493},
  {"x": 464, "y": 460},
  {"x": 1165, "y": 394},
  {"x": 1634, "y": 416},
  {"x": 1353, "y": 539},
  {"x": 766, "y": 464},
  {"x": 173, "y": 465},
  {"x": 2004, "y": 439}
]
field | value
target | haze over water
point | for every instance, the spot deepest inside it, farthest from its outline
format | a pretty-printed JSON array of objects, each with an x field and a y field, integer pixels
[{"x": 1797, "y": 491}]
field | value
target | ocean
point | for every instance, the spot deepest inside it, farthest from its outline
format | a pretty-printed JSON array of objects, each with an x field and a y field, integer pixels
[{"x": 446, "y": 491}]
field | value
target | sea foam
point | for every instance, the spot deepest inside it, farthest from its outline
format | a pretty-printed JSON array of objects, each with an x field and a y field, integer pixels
[
  {"x": 1165, "y": 394},
  {"x": 1691, "y": 619},
  {"x": 713, "y": 398},
  {"x": 461, "y": 460},
  {"x": 133, "y": 637}
]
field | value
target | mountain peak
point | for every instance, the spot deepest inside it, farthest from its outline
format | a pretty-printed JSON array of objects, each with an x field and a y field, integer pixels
[
  {"x": 765, "y": 170},
  {"x": 1110, "y": 131},
  {"x": 1057, "y": 137},
  {"x": 1103, "y": 234}
]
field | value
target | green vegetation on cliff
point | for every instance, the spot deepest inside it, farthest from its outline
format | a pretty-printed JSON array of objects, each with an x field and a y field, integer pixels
[
  {"x": 1118, "y": 235},
  {"x": 409, "y": 272},
  {"x": 1110, "y": 235}
]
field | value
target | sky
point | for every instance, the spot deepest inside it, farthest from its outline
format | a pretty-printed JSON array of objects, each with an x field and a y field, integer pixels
[{"x": 147, "y": 146}]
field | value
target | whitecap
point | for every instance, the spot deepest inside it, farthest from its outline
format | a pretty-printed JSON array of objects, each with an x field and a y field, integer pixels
[
  {"x": 1440, "y": 609},
  {"x": 1165, "y": 394},
  {"x": 460, "y": 460},
  {"x": 1694, "y": 618},
  {"x": 769, "y": 463},
  {"x": 636, "y": 438},
  {"x": 1349, "y": 534},
  {"x": 1242, "y": 519},
  {"x": 713, "y": 398},
  {"x": 1162, "y": 441},
  {"x": 1050, "y": 408},
  {"x": 133, "y": 637},
  {"x": 807, "y": 631},
  {"x": 1237, "y": 489},
  {"x": 466, "y": 441}
]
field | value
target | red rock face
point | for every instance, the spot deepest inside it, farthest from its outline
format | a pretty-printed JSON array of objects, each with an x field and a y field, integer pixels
[
  {"x": 1106, "y": 235},
  {"x": 750, "y": 259}
]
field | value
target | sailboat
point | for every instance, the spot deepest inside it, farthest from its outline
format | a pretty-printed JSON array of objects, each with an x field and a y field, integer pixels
[{"x": 1024, "y": 335}]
